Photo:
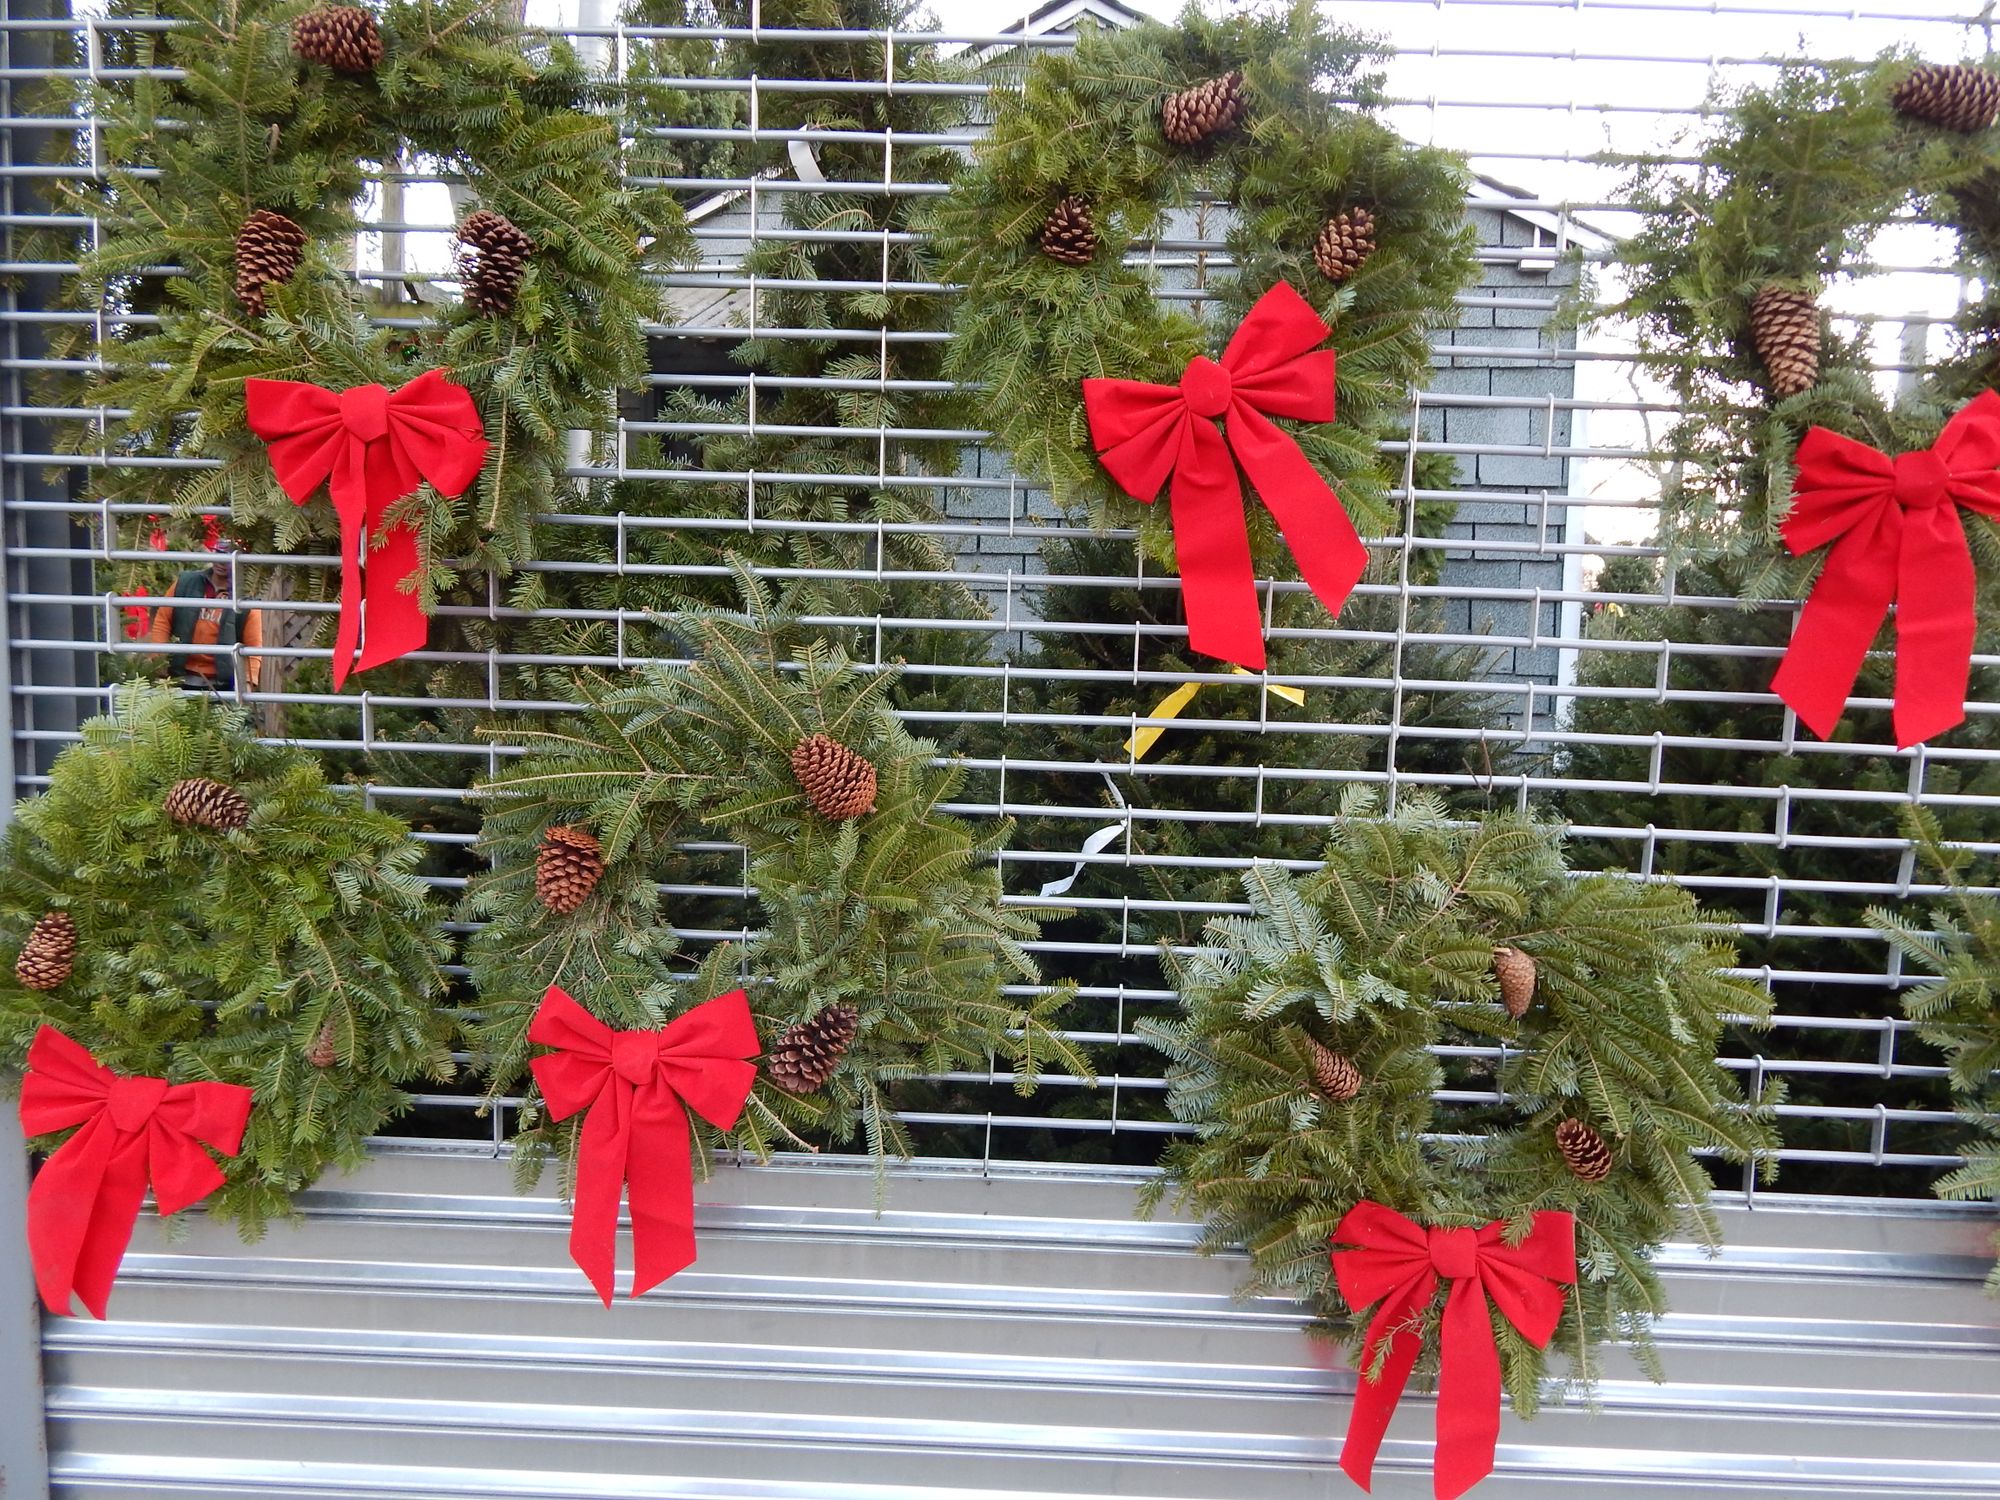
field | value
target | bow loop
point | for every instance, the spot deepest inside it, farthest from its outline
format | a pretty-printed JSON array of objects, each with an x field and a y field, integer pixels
[
  {"x": 1399, "y": 1263},
  {"x": 370, "y": 446},
  {"x": 1896, "y": 541},
  {"x": 1146, "y": 434},
  {"x": 638, "y": 1087},
  {"x": 132, "y": 1131}
]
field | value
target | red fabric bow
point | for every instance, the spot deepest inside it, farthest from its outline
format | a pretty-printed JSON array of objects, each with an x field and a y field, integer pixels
[
  {"x": 638, "y": 1087},
  {"x": 1399, "y": 1263},
  {"x": 371, "y": 446},
  {"x": 85, "y": 1201},
  {"x": 1897, "y": 539},
  {"x": 1145, "y": 433}
]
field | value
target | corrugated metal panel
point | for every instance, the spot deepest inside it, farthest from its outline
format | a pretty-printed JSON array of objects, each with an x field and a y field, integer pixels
[{"x": 1006, "y": 1333}]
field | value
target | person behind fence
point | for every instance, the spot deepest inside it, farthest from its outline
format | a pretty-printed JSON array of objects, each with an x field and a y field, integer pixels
[{"x": 215, "y": 625}]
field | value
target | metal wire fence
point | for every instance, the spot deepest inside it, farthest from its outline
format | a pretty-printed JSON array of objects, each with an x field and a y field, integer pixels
[{"x": 1493, "y": 655}]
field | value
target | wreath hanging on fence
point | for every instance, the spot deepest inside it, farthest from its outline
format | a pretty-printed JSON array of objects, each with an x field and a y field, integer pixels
[
  {"x": 881, "y": 949},
  {"x": 1782, "y": 196},
  {"x": 1957, "y": 1010},
  {"x": 1098, "y": 151},
  {"x": 1320, "y": 1029},
  {"x": 223, "y": 249},
  {"x": 190, "y": 904}
]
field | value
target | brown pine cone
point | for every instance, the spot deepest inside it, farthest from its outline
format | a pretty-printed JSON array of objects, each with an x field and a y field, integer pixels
[
  {"x": 805, "y": 1055},
  {"x": 342, "y": 37},
  {"x": 269, "y": 248},
  {"x": 1952, "y": 96},
  {"x": 324, "y": 1052},
  {"x": 1335, "y": 1073},
  {"x": 49, "y": 954},
  {"x": 1516, "y": 972},
  {"x": 492, "y": 259},
  {"x": 1345, "y": 241},
  {"x": 1069, "y": 233},
  {"x": 1583, "y": 1150},
  {"x": 567, "y": 868},
  {"x": 839, "y": 783},
  {"x": 1194, "y": 114},
  {"x": 1784, "y": 327},
  {"x": 201, "y": 802}
]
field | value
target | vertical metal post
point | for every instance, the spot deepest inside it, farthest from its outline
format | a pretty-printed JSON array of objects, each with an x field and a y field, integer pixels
[
  {"x": 24, "y": 1458},
  {"x": 24, "y": 1463}
]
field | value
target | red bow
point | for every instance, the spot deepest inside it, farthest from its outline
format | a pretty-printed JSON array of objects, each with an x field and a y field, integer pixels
[
  {"x": 638, "y": 1087},
  {"x": 371, "y": 446},
  {"x": 1144, "y": 433},
  {"x": 1897, "y": 539},
  {"x": 1400, "y": 1262},
  {"x": 85, "y": 1201}
]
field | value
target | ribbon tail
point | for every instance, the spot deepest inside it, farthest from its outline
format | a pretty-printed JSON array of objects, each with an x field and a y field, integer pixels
[
  {"x": 61, "y": 1203},
  {"x": 1841, "y": 618},
  {"x": 1315, "y": 524},
  {"x": 1375, "y": 1400},
  {"x": 396, "y": 621},
  {"x": 1212, "y": 546},
  {"x": 113, "y": 1217},
  {"x": 662, "y": 1199},
  {"x": 1935, "y": 624},
  {"x": 603, "y": 1156},
  {"x": 1468, "y": 1408},
  {"x": 346, "y": 489}
]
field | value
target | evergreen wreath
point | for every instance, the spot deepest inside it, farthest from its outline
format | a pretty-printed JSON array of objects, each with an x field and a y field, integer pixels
[
  {"x": 884, "y": 952},
  {"x": 1320, "y": 1030},
  {"x": 222, "y": 913},
  {"x": 1958, "y": 1009},
  {"x": 241, "y": 166},
  {"x": 1778, "y": 194},
  {"x": 1043, "y": 305}
]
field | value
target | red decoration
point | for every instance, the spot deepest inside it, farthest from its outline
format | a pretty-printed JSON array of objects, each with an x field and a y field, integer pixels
[
  {"x": 1146, "y": 433},
  {"x": 1398, "y": 1263},
  {"x": 85, "y": 1200},
  {"x": 1897, "y": 539},
  {"x": 371, "y": 446},
  {"x": 137, "y": 616},
  {"x": 638, "y": 1087}
]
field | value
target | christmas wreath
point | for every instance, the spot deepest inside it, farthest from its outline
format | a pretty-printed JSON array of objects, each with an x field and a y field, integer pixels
[
  {"x": 221, "y": 254},
  {"x": 883, "y": 949},
  {"x": 1569, "y": 1024},
  {"x": 189, "y": 904},
  {"x": 1098, "y": 153},
  {"x": 1958, "y": 1009},
  {"x": 1778, "y": 198}
]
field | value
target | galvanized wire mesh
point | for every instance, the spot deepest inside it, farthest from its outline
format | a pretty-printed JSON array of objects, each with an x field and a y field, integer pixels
[{"x": 1553, "y": 431}]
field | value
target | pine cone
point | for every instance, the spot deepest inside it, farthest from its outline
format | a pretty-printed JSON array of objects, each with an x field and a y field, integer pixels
[
  {"x": 1784, "y": 325},
  {"x": 1952, "y": 96},
  {"x": 1516, "y": 972},
  {"x": 805, "y": 1055},
  {"x": 1583, "y": 1150},
  {"x": 49, "y": 953},
  {"x": 200, "y": 802},
  {"x": 1194, "y": 114},
  {"x": 838, "y": 783},
  {"x": 342, "y": 37},
  {"x": 1069, "y": 233},
  {"x": 324, "y": 1052},
  {"x": 1335, "y": 1073},
  {"x": 269, "y": 248},
  {"x": 1345, "y": 241},
  {"x": 492, "y": 259},
  {"x": 567, "y": 868}
]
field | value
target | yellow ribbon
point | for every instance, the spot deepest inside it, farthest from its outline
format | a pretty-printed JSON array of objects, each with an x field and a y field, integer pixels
[{"x": 1170, "y": 707}]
